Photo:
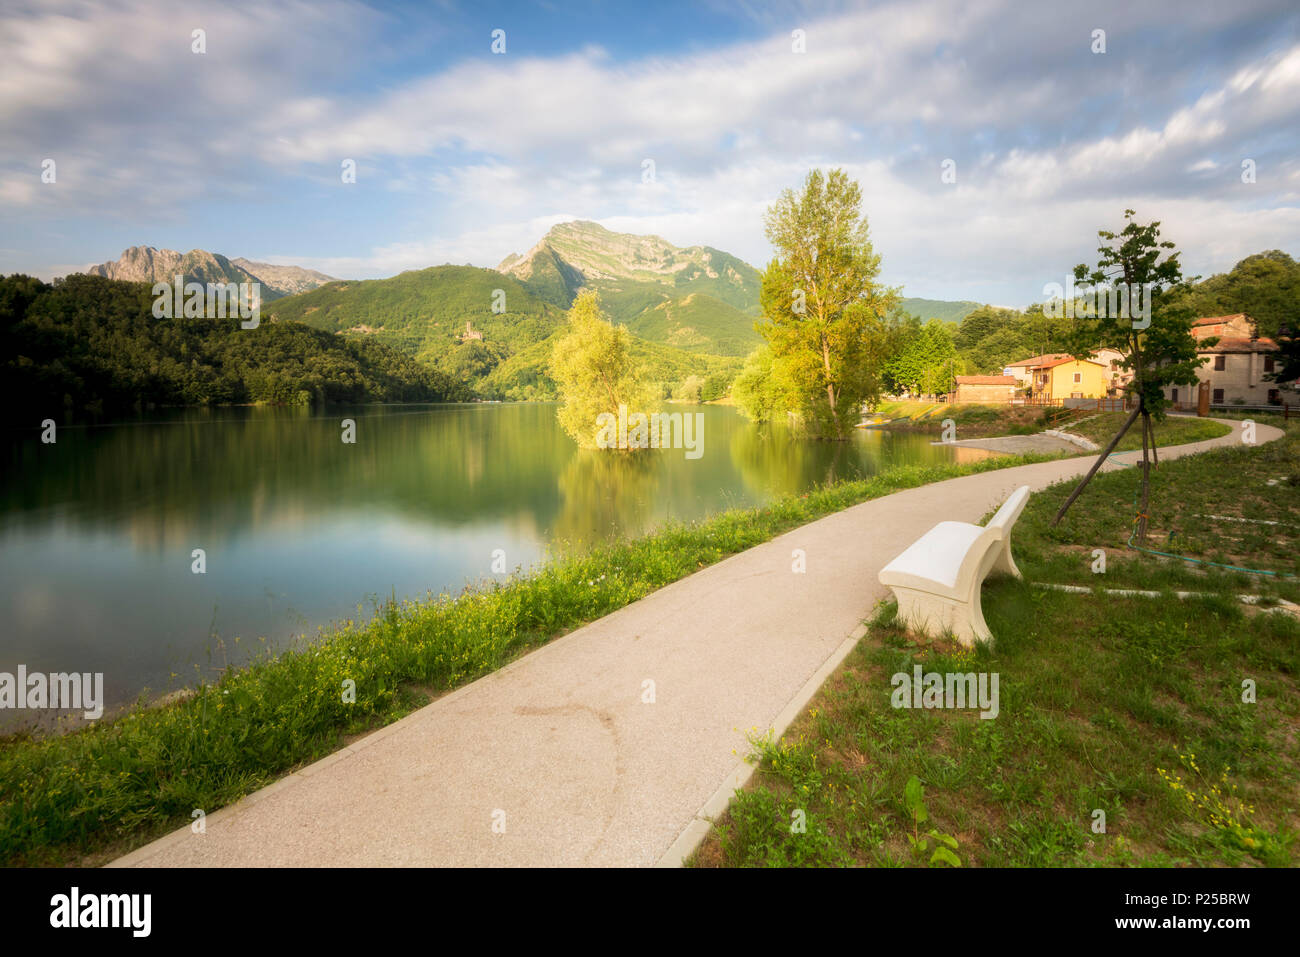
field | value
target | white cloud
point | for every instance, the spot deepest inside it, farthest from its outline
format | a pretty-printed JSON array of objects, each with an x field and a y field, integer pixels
[{"x": 1051, "y": 142}]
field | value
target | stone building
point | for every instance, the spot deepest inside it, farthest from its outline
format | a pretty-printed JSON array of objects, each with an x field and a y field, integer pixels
[
  {"x": 984, "y": 388},
  {"x": 1237, "y": 364}
]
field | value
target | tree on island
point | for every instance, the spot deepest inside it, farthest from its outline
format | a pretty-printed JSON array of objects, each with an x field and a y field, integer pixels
[
  {"x": 593, "y": 368},
  {"x": 825, "y": 315},
  {"x": 1155, "y": 339},
  {"x": 759, "y": 391}
]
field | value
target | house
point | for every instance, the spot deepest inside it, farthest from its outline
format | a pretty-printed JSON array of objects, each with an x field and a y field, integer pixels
[
  {"x": 1237, "y": 364},
  {"x": 1069, "y": 378},
  {"x": 469, "y": 333},
  {"x": 1119, "y": 376},
  {"x": 984, "y": 388},
  {"x": 1110, "y": 359},
  {"x": 1024, "y": 369}
]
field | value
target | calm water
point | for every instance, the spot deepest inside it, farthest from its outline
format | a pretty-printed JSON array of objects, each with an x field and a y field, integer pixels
[{"x": 97, "y": 530}]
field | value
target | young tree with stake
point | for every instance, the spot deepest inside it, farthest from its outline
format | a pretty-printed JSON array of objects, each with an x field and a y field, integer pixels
[{"x": 1156, "y": 341}]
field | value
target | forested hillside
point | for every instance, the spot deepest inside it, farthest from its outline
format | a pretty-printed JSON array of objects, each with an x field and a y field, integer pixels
[{"x": 90, "y": 344}]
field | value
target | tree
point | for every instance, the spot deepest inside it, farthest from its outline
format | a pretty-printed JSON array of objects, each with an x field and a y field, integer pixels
[
  {"x": 979, "y": 324},
  {"x": 594, "y": 372},
  {"x": 691, "y": 389},
  {"x": 1265, "y": 286},
  {"x": 1286, "y": 356},
  {"x": 825, "y": 313},
  {"x": 927, "y": 360},
  {"x": 715, "y": 386},
  {"x": 1159, "y": 348},
  {"x": 760, "y": 391}
]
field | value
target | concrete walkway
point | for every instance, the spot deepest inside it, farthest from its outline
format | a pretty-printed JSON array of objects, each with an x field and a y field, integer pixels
[{"x": 559, "y": 759}]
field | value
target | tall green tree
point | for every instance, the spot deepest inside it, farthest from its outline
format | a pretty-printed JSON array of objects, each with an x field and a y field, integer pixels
[
  {"x": 760, "y": 391},
  {"x": 595, "y": 373},
  {"x": 927, "y": 360},
  {"x": 1159, "y": 348},
  {"x": 1286, "y": 357},
  {"x": 825, "y": 312}
]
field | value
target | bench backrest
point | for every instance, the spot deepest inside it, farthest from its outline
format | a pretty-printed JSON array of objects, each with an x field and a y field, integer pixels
[
  {"x": 1010, "y": 511},
  {"x": 983, "y": 554}
]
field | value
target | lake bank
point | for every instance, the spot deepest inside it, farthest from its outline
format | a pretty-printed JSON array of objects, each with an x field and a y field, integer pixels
[
  {"x": 613, "y": 744},
  {"x": 299, "y": 529},
  {"x": 90, "y": 794}
]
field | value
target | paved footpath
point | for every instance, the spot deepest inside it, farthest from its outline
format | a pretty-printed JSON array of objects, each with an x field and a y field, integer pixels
[{"x": 559, "y": 746}]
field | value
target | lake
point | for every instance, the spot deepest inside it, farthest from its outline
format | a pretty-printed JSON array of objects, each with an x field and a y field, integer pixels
[{"x": 299, "y": 529}]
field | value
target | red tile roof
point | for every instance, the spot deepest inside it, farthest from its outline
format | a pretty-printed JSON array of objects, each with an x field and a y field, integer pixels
[
  {"x": 1231, "y": 344},
  {"x": 1064, "y": 359},
  {"x": 986, "y": 380},
  {"x": 1215, "y": 320},
  {"x": 1038, "y": 360}
]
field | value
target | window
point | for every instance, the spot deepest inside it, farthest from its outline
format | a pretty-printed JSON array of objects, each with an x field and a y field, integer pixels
[
  {"x": 1218, "y": 397},
  {"x": 1078, "y": 377},
  {"x": 1268, "y": 365},
  {"x": 1219, "y": 362},
  {"x": 1175, "y": 396}
]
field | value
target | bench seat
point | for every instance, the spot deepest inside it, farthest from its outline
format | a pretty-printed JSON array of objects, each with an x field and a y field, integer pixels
[{"x": 937, "y": 578}]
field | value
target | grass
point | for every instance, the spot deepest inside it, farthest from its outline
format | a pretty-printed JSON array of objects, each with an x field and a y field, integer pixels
[
  {"x": 90, "y": 795},
  {"x": 973, "y": 420},
  {"x": 1131, "y": 707},
  {"x": 1101, "y": 427},
  {"x": 978, "y": 421}
]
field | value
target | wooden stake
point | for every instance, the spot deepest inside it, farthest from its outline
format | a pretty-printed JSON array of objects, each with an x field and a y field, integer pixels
[
  {"x": 1146, "y": 480},
  {"x": 1137, "y": 410}
]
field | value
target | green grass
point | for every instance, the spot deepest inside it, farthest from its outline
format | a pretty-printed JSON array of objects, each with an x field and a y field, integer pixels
[
  {"x": 978, "y": 420},
  {"x": 1174, "y": 430},
  {"x": 1130, "y": 706},
  {"x": 89, "y": 795}
]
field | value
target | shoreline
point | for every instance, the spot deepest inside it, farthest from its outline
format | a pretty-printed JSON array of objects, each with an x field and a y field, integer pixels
[{"x": 399, "y": 660}]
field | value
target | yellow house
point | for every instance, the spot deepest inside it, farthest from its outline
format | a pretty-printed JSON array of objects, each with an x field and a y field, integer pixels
[{"x": 1065, "y": 377}]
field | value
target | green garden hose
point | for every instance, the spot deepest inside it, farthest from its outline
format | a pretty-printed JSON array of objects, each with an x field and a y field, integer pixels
[{"x": 1184, "y": 558}]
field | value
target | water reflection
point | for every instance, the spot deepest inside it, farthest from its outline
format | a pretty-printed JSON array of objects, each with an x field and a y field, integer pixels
[{"x": 97, "y": 530}]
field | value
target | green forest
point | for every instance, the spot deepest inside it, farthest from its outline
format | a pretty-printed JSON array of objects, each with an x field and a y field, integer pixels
[{"x": 89, "y": 345}]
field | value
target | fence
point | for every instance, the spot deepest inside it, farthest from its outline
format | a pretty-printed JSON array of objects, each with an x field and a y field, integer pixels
[
  {"x": 1107, "y": 404},
  {"x": 1038, "y": 402}
]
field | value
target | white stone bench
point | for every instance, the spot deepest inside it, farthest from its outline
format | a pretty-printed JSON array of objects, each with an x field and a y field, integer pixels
[{"x": 937, "y": 579}]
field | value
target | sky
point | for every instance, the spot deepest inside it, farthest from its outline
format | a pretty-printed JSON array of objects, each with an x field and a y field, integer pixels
[{"x": 465, "y": 155}]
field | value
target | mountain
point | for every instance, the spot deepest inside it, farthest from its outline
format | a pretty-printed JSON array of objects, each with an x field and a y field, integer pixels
[
  {"x": 697, "y": 298},
  {"x": 148, "y": 264},
  {"x": 943, "y": 309},
  {"x": 423, "y": 312},
  {"x": 697, "y": 323},
  {"x": 289, "y": 280}
]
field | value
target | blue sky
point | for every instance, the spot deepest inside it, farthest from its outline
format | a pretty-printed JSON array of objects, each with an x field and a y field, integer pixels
[{"x": 464, "y": 155}]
